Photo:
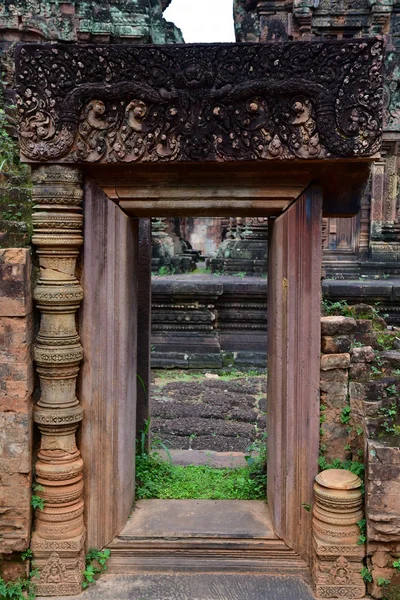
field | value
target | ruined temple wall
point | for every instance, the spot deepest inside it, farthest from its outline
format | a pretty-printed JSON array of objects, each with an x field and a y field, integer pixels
[
  {"x": 16, "y": 386},
  {"x": 368, "y": 244},
  {"x": 360, "y": 422}
]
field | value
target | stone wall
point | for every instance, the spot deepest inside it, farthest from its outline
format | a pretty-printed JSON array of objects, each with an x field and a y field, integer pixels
[
  {"x": 360, "y": 422},
  {"x": 367, "y": 244},
  {"x": 210, "y": 321},
  {"x": 16, "y": 386}
]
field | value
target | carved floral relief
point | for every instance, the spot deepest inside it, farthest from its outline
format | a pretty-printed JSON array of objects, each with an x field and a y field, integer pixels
[{"x": 227, "y": 102}]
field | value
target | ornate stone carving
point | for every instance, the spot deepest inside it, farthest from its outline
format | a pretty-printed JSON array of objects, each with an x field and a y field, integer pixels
[
  {"x": 123, "y": 104},
  {"x": 57, "y": 236},
  {"x": 338, "y": 556}
]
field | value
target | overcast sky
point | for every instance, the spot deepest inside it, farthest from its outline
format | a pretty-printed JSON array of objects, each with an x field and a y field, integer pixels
[{"x": 203, "y": 20}]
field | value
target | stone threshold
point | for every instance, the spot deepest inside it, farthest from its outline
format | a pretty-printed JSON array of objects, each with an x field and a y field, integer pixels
[{"x": 202, "y": 536}]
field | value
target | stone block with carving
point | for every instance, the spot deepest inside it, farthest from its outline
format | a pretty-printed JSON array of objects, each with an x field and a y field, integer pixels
[{"x": 338, "y": 557}]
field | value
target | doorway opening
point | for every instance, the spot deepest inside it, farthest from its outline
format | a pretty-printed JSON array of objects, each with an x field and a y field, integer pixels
[{"x": 138, "y": 540}]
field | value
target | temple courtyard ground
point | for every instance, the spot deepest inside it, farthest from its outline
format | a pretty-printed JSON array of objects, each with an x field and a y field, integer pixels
[{"x": 205, "y": 411}]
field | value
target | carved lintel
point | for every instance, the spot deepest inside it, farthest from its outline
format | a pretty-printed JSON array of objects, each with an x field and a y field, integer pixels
[
  {"x": 338, "y": 558},
  {"x": 59, "y": 534},
  {"x": 225, "y": 102}
]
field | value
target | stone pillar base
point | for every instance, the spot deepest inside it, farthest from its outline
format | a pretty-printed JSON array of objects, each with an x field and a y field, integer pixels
[{"x": 61, "y": 565}]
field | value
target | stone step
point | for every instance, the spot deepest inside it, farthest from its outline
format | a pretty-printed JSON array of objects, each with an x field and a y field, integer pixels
[
  {"x": 196, "y": 587},
  {"x": 219, "y": 460}
]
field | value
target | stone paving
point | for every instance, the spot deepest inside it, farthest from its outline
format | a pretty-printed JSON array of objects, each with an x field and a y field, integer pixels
[
  {"x": 208, "y": 412},
  {"x": 197, "y": 587}
]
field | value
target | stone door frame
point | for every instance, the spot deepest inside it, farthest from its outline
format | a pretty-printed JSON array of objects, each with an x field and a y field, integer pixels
[
  {"x": 294, "y": 333},
  {"x": 227, "y": 129}
]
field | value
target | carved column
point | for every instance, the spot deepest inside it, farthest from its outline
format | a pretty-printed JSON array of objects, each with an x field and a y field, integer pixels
[
  {"x": 338, "y": 557},
  {"x": 59, "y": 533}
]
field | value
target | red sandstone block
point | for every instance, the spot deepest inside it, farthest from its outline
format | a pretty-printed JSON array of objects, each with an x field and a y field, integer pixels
[
  {"x": 336, "y": 344},
  {"x": 337, "y": 325},
  {"x": 335, "y": 375},
  {"x": 15, "y": 282},
  {"x": 335, "y": 361},
  {"x": 365, "y": 354}
]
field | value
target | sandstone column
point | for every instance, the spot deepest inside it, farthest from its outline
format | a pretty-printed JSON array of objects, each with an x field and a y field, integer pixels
[
  {"x": 59, "y": 533},
  {"x": 338, "y": 556}
]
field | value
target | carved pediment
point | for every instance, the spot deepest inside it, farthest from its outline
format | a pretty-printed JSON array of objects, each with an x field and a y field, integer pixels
[{"x": 121, "y": 104}]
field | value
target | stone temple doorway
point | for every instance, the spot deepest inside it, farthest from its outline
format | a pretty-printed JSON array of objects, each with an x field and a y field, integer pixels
[
  {"x": 110, "y": 254},
  {"x": 212, "y": 122}
]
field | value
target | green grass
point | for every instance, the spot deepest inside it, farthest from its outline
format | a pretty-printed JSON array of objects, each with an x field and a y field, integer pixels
[{"x": 158, "y": 479}]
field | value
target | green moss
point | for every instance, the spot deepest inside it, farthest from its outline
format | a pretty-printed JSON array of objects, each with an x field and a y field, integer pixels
[{"x": 15, "y": 188}]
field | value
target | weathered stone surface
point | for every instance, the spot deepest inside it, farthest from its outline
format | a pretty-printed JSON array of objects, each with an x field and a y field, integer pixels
[
  {"x": 336, "y": 325},
  {"x": 197, "y": 587},
  {"x": 16, "y": 386},
  {"x": 360, "y": 371},
  {"x": 245, "y": 112},
  {"x": 362, "y": 355},
  {"x": 335, "y": 361},
  {"x": 335, "y": 345},
  {"x": 15, "y": 274},
  {"x": 383, "y": 491},
  {"x": 338, "y": 507}
]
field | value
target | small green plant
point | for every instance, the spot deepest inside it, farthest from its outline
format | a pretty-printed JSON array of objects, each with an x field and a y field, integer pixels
[
  {"x": 36, "y": 500},
  {"x": 356, "y": 344},
  {"x": 363, "y": 532},
  {"x": 396, "y": 565},
  {"x": 345, "y": 415},
  {"x": 336, "y": 308},
  {"x": 95, "y": 565},
  {"x": 382, "y": 582},
  {"x": 366, "y": 575},
  {"x": 306, "y": 506},
  {"x": 391, "y": 390},
  {"x": 22, "y": 588},
  {"x": 375, "y": 371}
]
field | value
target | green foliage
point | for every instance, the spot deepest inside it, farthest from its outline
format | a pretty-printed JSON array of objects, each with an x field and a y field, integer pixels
[
  {"x": 345, "y": 414},
  {"x": 375, "y": 371},
  {"x": 389, "y": 414},
  {"x": 36, "y": 500},
  {"x": 366, "y": 575},
  {"x": 382, "y": 582},
  {"x": 396, "y": 565},
  {"x": 158, "y": 479},
  {"x": 336, "y": 308},
  {"x": 95, "y": 565},
  {"x": 354, "y": 466},
  {"x": 307, "y": 506},
  {"x": 363, "y": 531},
  {"x": 385, "y": 341},
  {"x": 27, "y": 554},
  {"x": 391, "y": 390},
  {"x": 21, "y": 589}
]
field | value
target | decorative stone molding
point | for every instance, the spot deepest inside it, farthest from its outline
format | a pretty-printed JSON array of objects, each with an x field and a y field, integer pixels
[
  {"x": 124, "y": 104},
  {"x": 337, "y": 555},
  {"x": 59, "y": 533}
]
